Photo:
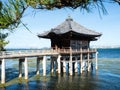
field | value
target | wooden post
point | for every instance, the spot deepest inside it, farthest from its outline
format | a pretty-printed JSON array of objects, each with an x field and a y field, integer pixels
[
  {"x": 76, "y": 66},
  {"x": 64, "y": 66},
  {"x": 26, "y": 68},
  {"x": 52, "y": 64},
  {"x": 3, "y": 71},
  {"x": 44, "y": 65},
  {"x": 81, "y": 60},
  {"x": 88, "y": 57},
  {"x": 20, "y": 67},
  {"x": 96, "y": 59},
  {"x": 56, "y": 65},
  {"x": 59, "y": 64},
  {"x": 38, "y": 66},
  {"x": 70, "y": 63}
]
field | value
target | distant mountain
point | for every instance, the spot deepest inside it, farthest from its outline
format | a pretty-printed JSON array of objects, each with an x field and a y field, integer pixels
[{"x": 114, "y": 46}]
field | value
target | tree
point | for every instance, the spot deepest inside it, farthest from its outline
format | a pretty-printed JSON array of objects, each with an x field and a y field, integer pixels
[
  {"x": 2, "y": 41},
  {"x": 10, "y": 14}
]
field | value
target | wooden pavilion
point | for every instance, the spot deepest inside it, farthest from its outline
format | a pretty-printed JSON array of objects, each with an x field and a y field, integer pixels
[{"x": 72, "y": 36}]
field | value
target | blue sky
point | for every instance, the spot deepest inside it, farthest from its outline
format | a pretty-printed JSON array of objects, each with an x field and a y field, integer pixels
[{"x": 39, "y": 21}]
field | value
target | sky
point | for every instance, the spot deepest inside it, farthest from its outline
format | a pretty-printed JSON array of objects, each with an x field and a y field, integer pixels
[{"x": 39, "y": 21}]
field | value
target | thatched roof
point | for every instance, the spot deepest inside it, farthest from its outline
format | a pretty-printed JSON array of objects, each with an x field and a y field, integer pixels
[{"x": 70, "y": 26}]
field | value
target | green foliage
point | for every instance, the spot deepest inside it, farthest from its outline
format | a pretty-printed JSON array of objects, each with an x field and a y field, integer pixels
[
  {"x": 3, "y": 43},
  {"x": 87, "y": 5},
  {"x": 51, "y": 4},
  {"x": 11, "y": 13}
]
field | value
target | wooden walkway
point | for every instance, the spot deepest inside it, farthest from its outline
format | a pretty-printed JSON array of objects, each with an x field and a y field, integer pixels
[
  {"x": 36, "y": 53},
  {"x": 26, "y": 53},
  {"x": 56, "y": 56}
]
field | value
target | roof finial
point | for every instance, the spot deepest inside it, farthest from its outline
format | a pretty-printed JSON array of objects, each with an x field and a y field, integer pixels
[{"x": 69, "y": 18}]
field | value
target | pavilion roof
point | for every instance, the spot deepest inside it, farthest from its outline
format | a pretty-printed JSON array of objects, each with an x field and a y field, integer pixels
[{"x": 70, "y": 26}]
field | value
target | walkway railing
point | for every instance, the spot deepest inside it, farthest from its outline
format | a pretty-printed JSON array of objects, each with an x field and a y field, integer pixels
[
  {"x": 32, "y": 53},
  {"x": 26, "y": 53}
]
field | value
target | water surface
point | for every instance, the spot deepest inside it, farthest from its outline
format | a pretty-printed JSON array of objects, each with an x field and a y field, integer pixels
[{"x": 106, "y": 78}]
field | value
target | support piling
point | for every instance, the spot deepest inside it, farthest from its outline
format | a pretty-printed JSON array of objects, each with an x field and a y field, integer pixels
[
  {"x": 70, "y": 63},
  {"x": 96, "y": 59},
  {"x": 44, "y": 65},
  {"x": 64, "y": 66},
  {"x": 59, "y": 64},
  {"x": 38, "y": 65},
  {"x": 76, "y": 67},
  {"x": 3, "y": 71},
  {"x": 81, "y": 61},
  {"x": 26, "y": 68},
  {"x": 20, "y": 68}
]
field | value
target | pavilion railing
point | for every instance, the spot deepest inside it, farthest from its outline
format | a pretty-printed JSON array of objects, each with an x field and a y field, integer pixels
[{"x": 69, "y": 50}]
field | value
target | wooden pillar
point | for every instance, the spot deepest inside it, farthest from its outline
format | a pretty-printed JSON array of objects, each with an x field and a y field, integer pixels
[
  {"x": 81, "y": 60},
  {"x": 3, "y": 71},
  {"x": 96, "y": 59},
  {"x": 91, "y": 65},
  {"x": 67, "y": 68},
  {"x": 20, "y": 67},
  {"x": 76, "y": 66},
  {"x": 52, "y": 64},
  {"x": 59, "y": 64},
  {"x": 88, "y": 58},
  {"x": 26, "y": 68},
  {"x": 64, "y": 66},
  {"x": 70, "y": 63},
  {"x": 56, "y": 65},
  {"x": 38, "y": 65},
  {"x": 44, "y": 65}
]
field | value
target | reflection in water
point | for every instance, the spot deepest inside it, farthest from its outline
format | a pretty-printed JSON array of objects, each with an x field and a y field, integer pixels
[
  {"x": 26, "y": 86},
  {"x": 85, "y": 81},
  {"x": 3, "y": 88}
]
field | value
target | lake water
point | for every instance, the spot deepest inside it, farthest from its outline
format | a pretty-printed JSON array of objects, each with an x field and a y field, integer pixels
[{"x": 106, "y": 78}]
